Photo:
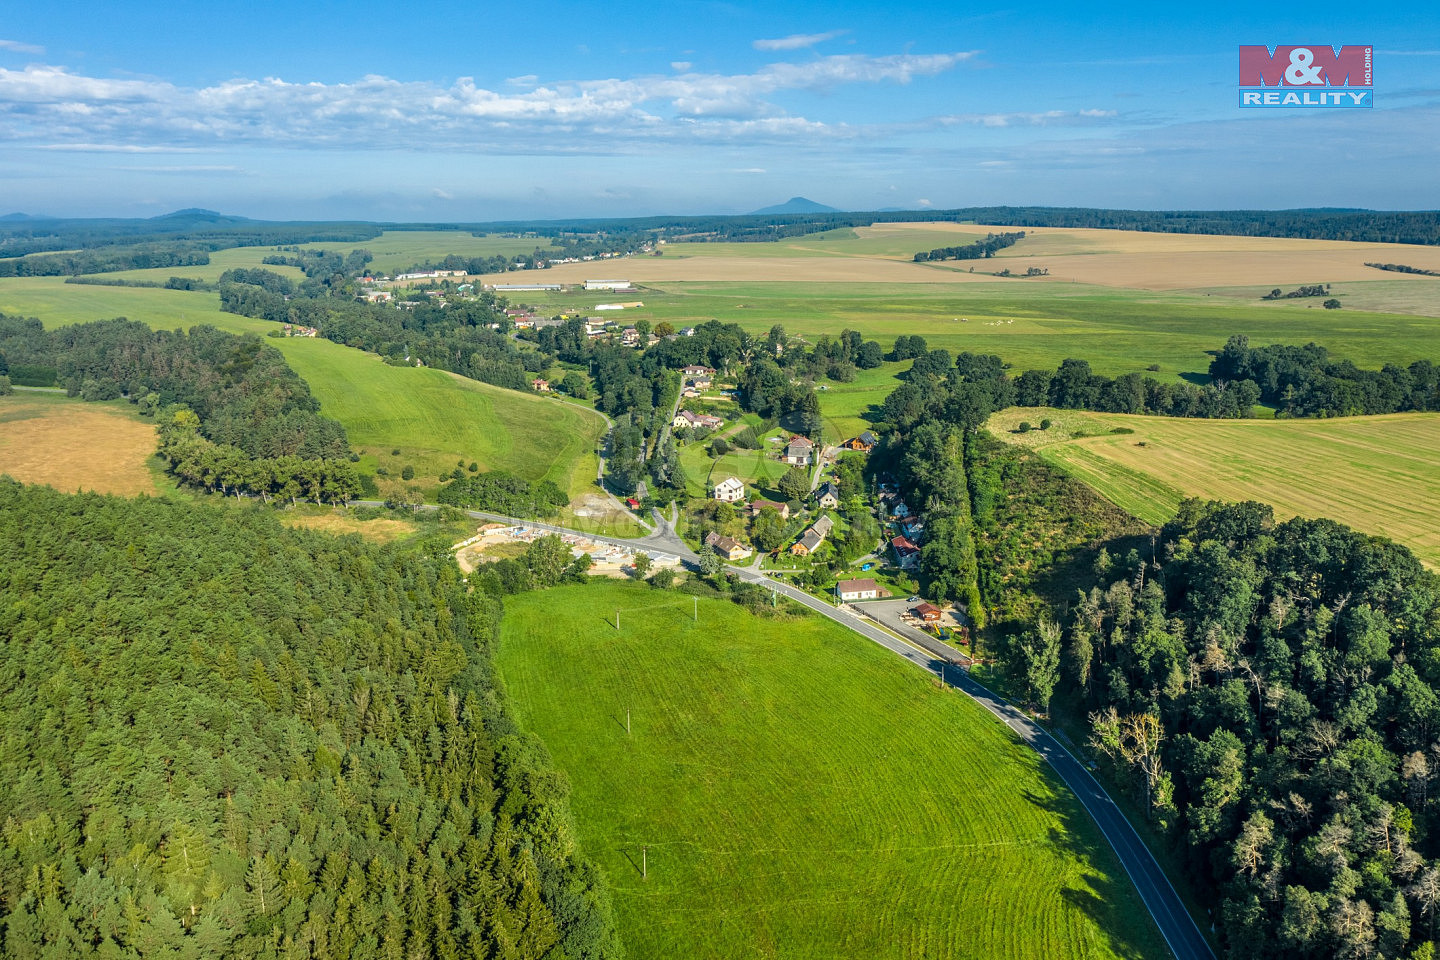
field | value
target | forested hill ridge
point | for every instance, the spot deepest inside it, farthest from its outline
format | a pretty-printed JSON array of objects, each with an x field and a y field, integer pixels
[
  {"x": 220, "y": 737},
  {"x": 197, "y": 233}
]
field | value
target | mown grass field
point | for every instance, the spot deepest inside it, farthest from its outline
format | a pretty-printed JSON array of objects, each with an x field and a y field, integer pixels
[
  {"x": 1380, "y": 475},
  {"x": 58, "y": 303},
  {"x": 72, "y": 446},
  {"x": 437, "y": 419},
  {"x": 395, "y": 250},
  {"x": 802, "y": 792},
  {"x": 220, "y": 261}
]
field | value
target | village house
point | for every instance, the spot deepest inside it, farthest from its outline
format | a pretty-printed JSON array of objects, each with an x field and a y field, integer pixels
[
  {"x": 729, "y": 490},
  {"x": 865, "y": 442},
  {"x": 698, "y": 370},
  {"x": 727, "y": 547},
  {"x": 540, "y": 385},
  {"x": 755, "y": 506},
  {"x": 630, "y": 337},
  {"x": 813, "y": 536},
  {"x": 808, "y": 543},
  {"x": 865, "y": 589},
  {"x": 696, "y": 421},
  {"x": 828, "y": 496},
  {"x": 906, "y": 553},
  {"x": 799, "y": 451}
]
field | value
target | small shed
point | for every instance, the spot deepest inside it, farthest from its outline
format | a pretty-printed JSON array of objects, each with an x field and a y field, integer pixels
[{"x": 928, "y": 612}]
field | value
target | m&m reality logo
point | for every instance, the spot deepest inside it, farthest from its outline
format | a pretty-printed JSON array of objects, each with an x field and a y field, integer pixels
[{"x": 1316, "y": 75}]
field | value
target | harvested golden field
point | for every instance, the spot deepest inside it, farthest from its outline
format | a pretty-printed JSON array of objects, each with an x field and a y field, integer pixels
[
  {"x": 75, "y": 446},
  {"x": 883, "y": 253},
  {"x": 1380, "y": 474}
]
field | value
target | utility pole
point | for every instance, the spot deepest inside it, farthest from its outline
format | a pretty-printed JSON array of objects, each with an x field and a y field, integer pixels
[
  {"x": 644, "y": 861},
  {"x": 617, "y": 619},
  {"x": 696, "y": 614},
  {"x": 627, "y": 721}
]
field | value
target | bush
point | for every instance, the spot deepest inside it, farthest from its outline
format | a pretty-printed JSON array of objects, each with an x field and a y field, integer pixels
[
  {"x": 5, "y": 388},
  {"x": 1331, "y": 304},
  {"x": 1122, "y": 430},
  {"x": 663, "y": 579},
  {"x": 1024, "y": 427},
  {"x": 395, "y": 452},
  {"x": 408, "y": 473},
  {"x": 473, "y": 466},
  {"x": 718, "y": 447},
  {"x": 1044, "y": 424}
]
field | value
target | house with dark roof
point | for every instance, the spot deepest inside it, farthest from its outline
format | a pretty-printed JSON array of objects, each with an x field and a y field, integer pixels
[
  {"x": 906, "y": 553},
  {"x": 827, "y": 497}
]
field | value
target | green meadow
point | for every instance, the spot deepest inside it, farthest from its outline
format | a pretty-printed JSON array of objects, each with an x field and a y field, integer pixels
[
  {"x": 220, "y": 261},
  {"x": 788, "y": 789},
  {"x": 58, "y": 303},
  {"x": 1380, "y": 475},
  {"x": 396, "y": 250}
]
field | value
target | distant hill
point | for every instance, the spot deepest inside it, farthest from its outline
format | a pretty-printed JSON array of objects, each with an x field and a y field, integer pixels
[
  {"x": 15, "y": 217},
  {"x": 795, "y": 205}
]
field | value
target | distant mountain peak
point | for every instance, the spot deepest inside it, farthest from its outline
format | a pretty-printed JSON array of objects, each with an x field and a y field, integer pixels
[{"x": 796, "y": 205}]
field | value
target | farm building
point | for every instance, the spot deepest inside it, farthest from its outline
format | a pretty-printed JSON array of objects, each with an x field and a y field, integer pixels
[
  {"x": 799, "y": 451},
  {"x": 607, "y": 285},
  {"x": 540, "y": 385},
  {"x": 526, "y": 287},
  {"x": 755, "y": 506},
  {"x": 865, "y": 589},
  {"x": 828, "y": 496},
  {"x": 824, "y": 525},
  {"x": 729, "y": 490}
]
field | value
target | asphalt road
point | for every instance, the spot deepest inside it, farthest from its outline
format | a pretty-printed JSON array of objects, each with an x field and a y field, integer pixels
[{"x": 1160, "y": 899}]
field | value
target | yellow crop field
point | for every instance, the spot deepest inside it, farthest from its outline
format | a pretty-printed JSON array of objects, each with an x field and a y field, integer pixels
[
  {"x": 1380, "y": 475},
  {"x": 73, "y": 446}
]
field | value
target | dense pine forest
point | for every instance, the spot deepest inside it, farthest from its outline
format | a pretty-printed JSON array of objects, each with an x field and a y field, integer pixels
[{"x": 220, "y": 737}]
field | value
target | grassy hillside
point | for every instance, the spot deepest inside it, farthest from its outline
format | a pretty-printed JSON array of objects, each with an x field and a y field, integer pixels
[
  {"x": 1380, "y": 475},
  {"x": 397, "y": 249},
  {"x": 58, "y": 303},
  {"x": 436, "y": 418},
  {"x": 802, "y": 793}
]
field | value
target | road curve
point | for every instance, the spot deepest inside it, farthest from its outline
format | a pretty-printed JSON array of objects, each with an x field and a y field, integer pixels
[{"x": 1156, "y": 892}]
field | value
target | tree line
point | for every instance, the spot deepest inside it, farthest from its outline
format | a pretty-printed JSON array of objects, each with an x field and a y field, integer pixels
[
  {"x": 222, "y": 737},
  {"x": 233, "y": 416},
  {"x": 497, "y": 491},
  {"x": 1307, "y": 382},
  {"x": 978, "y": 250}
]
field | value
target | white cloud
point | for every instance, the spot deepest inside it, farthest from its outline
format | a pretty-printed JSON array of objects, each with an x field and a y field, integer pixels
[
  {"x": 680, "y": 66},
  {"x": 16, "y": 46},
  {"x": 53, "y": 107},
  {"x": 797, "y": 41}
]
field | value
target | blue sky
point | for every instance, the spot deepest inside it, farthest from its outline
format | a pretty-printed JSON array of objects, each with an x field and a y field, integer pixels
[{"x": 484, "y": 111}]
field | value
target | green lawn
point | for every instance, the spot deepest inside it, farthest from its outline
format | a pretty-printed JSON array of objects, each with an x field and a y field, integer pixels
[
  {"x": 802, "y": 792},
  {"x": 1380, "y": 475}
]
